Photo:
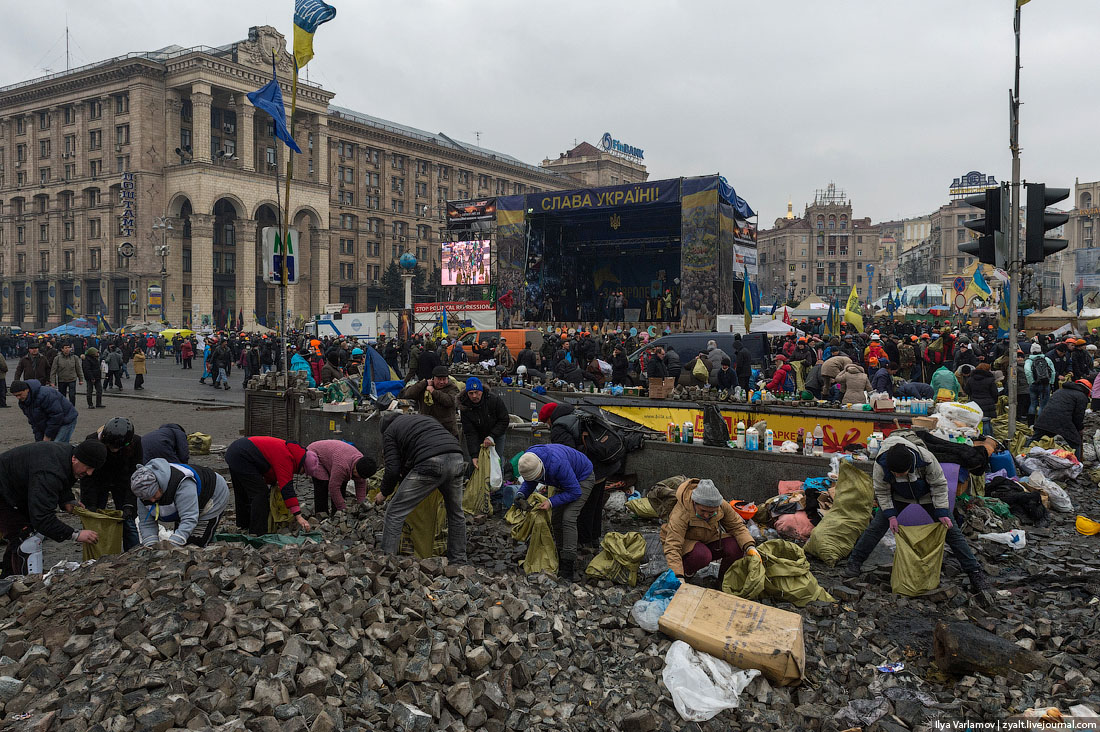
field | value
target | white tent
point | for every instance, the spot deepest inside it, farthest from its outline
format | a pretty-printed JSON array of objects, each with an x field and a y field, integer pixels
[{"x": 775, "y": 327}]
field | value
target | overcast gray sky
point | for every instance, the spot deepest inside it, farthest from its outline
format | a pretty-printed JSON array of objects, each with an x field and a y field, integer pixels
[{"x": 890, "y": 100}]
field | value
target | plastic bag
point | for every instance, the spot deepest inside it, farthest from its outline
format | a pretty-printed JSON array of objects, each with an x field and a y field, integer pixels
[
  {"x": 1015, "y": 538},
  {"x": 533, "y": 527},
  {"x": 745, "y": 578},
  {"x": 619, "y": 558},
  {"x": 918, "y": 559},
  {"x": 700, "y": 684},
  {"x": 969, "y": 414},
  {"x": 496, "y": 470},
  {"x": 716, "y": 432},
  {"x": 835, "y": 535},
  {"x": 615, "y": 502},
  {"x": 647, "y": 611},
  {"x": 788, "y": 576},
  {"x": 1054, "y": 463},
  {"x": 1059, "y": 499},
  {"x": 107, "y": 523}
]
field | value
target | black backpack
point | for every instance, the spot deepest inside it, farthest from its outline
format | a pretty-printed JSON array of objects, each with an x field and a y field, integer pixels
[
  {"x": 1040, "y": 370},
  {"x": 602, "y": 441}
]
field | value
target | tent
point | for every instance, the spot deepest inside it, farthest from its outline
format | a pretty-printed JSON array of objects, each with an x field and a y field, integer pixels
[
  {"x": 812, "y": 307},
  {"x": 78, "y": 327},
  {"x": 775, "y": 327},
  {"x": 1049, "y": 319},
  {"x": 146, "y": 327},
  {"x": 386, "y": 380}
]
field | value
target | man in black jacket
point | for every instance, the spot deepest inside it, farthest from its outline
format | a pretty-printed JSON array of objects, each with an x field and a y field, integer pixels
[
  {"x": 1064, "y": 414},
  {"x": 36, "y": 480},
  {"x": 421, "y": 456},
  {"x": 742, "y": 364},
  {"x": 169, "y": 441},
  {"x": 484, "y": 419},
  {"x": 112, "y": 480},
  {"x": 426, "y": 363}
]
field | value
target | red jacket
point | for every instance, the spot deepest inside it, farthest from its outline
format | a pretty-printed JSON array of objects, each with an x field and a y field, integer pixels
[
  {"x": 779, "y": 381},
  {"x": 285, "y": 459}
]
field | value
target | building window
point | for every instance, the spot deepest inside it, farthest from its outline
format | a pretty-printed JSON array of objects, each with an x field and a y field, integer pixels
[
  {"x": 21, "y": 153},
  {"x": 94, "y": 258},
  {"x": 347, "y": 270},
  {"x": 859, "y": 252},
  {"x": 69, "y": 231},
  {"x": 270, "y": 158},
  {"x": 95, "y": 109},
  {"x": 397, "y": 206},
  {"x": 185, "y": 139},
  {"x": 372, "y": 156},
  {"x": 398, "y": 162},
  {"x": 347, "y": 198},
  {"x": 121, "y": 262},
  {"x": 424, "y": 232},
  {"x": 21, "y": 263},
  {"x": 229, "y": 259},
  {"x": 20, "y": 235},
  {"x": 186, "y": 263},
  {"x": 69, "y": 114},
  {"x": 482, "y": 181},
  {"x": 43, "y": 232},
  {"x": 960, "y": 262},
  {"x": 95, "y": 139},
  {"x": 20, "y": 126},
  {"x": 374, "y": 202},
  {"x": 421, "y": 190},
  {"x": 347, "y": 246},
  {"x": 43, "y": 175},
  {"x": 397, "y": 184},
  {"x": 464, "y": 176},
  {"x": 93, "y": 228},
  {"x": 122, "y": 135},
  {"x": 122, "y": 103},
  {"x": 122, "y": 163},
  {"x": 217, "y": 262},
  {"x": 859, "y": 240},
  {"x": 43, "y": 149},
  {"x": 43, "y": 120},
  {"x": 69, "y": 255}
]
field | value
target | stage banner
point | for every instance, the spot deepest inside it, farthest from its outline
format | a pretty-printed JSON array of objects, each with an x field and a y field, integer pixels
[
  {"x": 701, "y": 277},
  {"x": 511, "y": 258},
  {"x": 589, "y": 199}
]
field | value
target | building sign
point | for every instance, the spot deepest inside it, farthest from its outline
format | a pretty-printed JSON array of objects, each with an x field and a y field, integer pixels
[
  {"x": 461, "y": 213},
  {"x": 127, "y": 222},
  {"x": 971, "y": 183},
  {"x": 273, "y": 256},
  {"x": 637, "y": 194},
  {"x": 154, "y": 298},
  {"x": 1088, "y": 212},
  {"x": 421, "y": 308},
  {"x": 611, "y": 145}
]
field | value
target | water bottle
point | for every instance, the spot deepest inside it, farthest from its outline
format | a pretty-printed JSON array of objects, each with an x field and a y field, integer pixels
[
  {"x": 741, "y": 435},
  {"x": 819, "y": 441},
  {"x": 752, "y": 439},
  {"x": 769, "y": 440},
  {"x": 534, "y": 413},
  {"x": 808, "y": 445},
  {"x": 689, "y": 432}
]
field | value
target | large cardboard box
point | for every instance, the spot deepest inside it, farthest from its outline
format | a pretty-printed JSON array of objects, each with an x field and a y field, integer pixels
[
  {"x": 740, "y": 632},
  {"x": 925, "y": 423}
]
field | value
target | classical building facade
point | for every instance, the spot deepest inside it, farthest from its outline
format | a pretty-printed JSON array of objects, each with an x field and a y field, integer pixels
[
  {"x": 596, "y": 168},
  {"x": 824, "y": 252},
  {"x": 1073, "y": 266},
  {"x": 164, "y": 147}
]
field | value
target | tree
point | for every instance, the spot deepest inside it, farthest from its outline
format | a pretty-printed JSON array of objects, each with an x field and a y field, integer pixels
[{"x": 393, "y": 289}]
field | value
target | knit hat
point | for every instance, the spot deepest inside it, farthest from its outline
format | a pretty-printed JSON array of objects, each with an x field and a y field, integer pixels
[
  {"x": 546, "y": 411},
  {"x": 1036, "y": 348},
  {"x": 900, "y": 459},
  {"x": 530, "y": 466},
  {"x": 440, "y": 371},
  {"x": 365, "y": 467},
  {"x": 18, "y": 386},
  {"x": 474, "y": 384},
  {"x": 310, "y": 462},
  {"x": 143, "y": 483},
  {"x": 92, "y": 453},
  {"x": 706, "y": 494}
]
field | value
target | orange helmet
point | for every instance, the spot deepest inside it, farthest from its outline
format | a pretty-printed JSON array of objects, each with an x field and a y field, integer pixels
[
  {"x": 1085, "y": 383},
  {"x": 744, "y": 509}
]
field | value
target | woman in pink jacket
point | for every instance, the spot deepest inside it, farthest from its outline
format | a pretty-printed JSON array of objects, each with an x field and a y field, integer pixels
[{"x": 331, "y": 464}]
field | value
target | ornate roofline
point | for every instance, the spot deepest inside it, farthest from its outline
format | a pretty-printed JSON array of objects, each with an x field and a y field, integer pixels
[{"x": 38, "y": 94}]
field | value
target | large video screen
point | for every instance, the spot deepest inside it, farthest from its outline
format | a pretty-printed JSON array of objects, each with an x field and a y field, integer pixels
[{"x": 466, "y": 262}]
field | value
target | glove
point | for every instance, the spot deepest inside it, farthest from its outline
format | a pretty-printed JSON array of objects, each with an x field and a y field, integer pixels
[
  {"x": 521, "y": 503},
  {"x": 894, "y": 524},
  {"x": 946, "y": 521},
  {"x": 751, "y": 552},
  {"x": 129, "y": 512}
]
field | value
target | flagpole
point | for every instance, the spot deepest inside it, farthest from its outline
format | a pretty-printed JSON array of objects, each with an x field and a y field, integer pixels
[{"x": 286, "y": 221}]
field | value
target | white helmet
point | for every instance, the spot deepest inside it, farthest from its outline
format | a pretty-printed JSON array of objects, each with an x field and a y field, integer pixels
[{"x": 521, "y": 370}]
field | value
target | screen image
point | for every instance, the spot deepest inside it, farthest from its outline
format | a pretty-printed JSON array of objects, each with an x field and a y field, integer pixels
[{"x": 466, "y": 262}]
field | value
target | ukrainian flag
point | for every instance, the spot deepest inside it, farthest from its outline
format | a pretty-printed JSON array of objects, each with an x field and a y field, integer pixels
[
  {"x": 69, "y": 312},
  {"x": 308, "y": 15},
  {"x": 978, "y": 286}
]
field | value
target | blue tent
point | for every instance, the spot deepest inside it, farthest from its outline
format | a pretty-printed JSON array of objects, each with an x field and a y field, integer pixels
[
  {"x": 78, "y": 327},
  {"x": 385, "y": 380}
]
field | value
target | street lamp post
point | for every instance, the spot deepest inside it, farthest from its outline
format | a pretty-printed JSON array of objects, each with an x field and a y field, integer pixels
[{"x": 164, "y": 226}]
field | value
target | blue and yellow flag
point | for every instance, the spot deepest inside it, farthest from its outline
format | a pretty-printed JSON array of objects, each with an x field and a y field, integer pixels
[
  {"x": 444, "y": 327},
  {"x": 69, "y": 312},
  {"x": 852, "y": 312},
  {"x": 747, "y": 301},
  {"x": 1003, "y": 322},
  {"x": 978, "y": 286},
  {"x": 308, "y": 15}
]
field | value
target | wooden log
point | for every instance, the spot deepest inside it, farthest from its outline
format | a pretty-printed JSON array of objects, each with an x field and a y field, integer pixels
[{"x": 962, "y": 648}]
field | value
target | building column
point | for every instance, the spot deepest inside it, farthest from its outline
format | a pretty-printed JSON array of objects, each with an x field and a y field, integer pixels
[
  {"x": 320, "y": 150},
  {"x": 172, "y": 108},
  {"x": 54, "y": 317},
  {"x": 318, "y": 270},
  {"x": 202, "y": 267},
  {"x": 201, "y": 100},
  {"x": 245, "y": 137},
  {"x": 246, "y": 270},
  {"x": 172, "y": 295}
]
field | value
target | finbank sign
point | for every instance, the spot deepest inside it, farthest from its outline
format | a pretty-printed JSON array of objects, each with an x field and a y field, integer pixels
[{"x": 610, "y": 144}]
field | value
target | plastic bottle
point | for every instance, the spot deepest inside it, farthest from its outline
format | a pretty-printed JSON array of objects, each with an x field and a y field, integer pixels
[
  {"x": 752, "y": 439},
  {"x": 741, "y": 435},
  {"x": 689, "y": 432},
  {"x": 769, "y": 440},
  {"x": 819, "y": 441},
  {"x": 534, "y": 413},
  {"x": 808, "y": 444},
  {"x": 675, "y": 432}
]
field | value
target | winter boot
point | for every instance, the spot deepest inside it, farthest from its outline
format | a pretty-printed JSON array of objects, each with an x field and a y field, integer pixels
[
  {"x": 980, "y": 588},
  {"x": 852, "y": 568},
  {"x": 566, "y": 566}
]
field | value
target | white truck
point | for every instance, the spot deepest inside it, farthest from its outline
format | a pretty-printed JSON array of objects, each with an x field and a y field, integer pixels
[{"x": 364, "y": 326}]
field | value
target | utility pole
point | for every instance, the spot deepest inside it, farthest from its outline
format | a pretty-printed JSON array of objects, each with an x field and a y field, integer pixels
[{"x": 1014, "y": 272}]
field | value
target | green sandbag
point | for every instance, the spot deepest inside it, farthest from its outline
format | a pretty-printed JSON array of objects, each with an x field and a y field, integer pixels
[
  {"x": 425, "y": 530},
  {"x": 1019, "y": 438},
  {"x": 918, "y": 559},
  {"x": 106, "y": 522},
  {"x": 533, "y": 527},
  {"x": 641, "y": 508},
  {"x": 619, "y": 558},
  {"x": 745, "y": 578},
  {"x": 788, "y": 576},
  {"x": 475, "y": 497},
  {"x": 833, "y": 538},
  {"x": 311, "y": 537}
]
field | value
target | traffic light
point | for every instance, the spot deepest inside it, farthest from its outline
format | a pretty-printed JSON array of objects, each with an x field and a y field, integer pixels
[
  {"x": 1039, "y": 222},
  {"x": 988, "y": 247}
]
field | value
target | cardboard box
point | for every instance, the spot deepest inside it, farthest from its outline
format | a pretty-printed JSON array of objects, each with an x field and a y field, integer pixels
[
  {"x": 925, "y": 423},
  {"x": 740, "y": 632},
  {"x": 661, "y": 388}
]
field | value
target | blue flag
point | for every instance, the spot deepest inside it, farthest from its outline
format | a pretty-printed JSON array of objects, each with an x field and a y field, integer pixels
[
  {"x": 445, "y": 328},
  {"x": 269, "y": 98},
  {"x": 1065, "y": 305}
]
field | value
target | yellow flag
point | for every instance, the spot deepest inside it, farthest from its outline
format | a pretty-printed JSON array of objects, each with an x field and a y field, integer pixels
[
  {"x": 852, "y": 312},
  {"x": 1021, "y": 3}
]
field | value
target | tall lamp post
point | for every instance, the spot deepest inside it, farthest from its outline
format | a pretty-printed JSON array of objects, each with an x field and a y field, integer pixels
[{"x": 162, "y": 224}]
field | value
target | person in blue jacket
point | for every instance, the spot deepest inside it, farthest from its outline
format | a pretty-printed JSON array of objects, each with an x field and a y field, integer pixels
[
  {"x": 571, "y": 474},
  {"x": 169, "y": 441},
  {"x": 52, "y": 417},
  {"x": 299, "y": 363}
]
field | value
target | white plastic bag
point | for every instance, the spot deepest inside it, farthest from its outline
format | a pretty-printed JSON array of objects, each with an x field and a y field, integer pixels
[
  {"x": 1059, "y": 499},
  {"x": 700, "y": 684},
  {"x": 969, "y": 414},
  {"x": 616, "y": 502},
  {"x": 496, "y": 474},
  {"x": 1015, "y": 538}
]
